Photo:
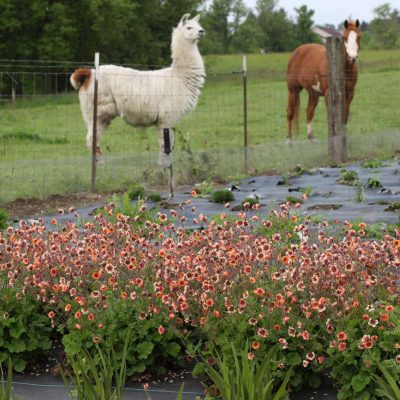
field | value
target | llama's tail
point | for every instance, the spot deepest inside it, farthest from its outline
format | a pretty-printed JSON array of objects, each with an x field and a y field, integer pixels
[
  {"x": 296, "y": 115},
  {"x": 81, "y": 78}
]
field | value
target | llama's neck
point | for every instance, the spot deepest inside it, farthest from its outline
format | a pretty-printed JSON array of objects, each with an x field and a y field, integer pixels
[{"x": 186, "y": 58}]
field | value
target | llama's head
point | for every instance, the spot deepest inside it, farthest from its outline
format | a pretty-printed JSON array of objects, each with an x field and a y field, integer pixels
[{"x": 189, "y": 29}]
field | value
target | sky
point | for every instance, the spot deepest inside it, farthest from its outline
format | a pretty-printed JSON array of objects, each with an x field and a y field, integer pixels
[{"x": 333, "y": 11}]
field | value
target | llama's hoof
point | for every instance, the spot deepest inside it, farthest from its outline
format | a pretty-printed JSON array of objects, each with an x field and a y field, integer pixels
[{"x": 289, "y": 142}]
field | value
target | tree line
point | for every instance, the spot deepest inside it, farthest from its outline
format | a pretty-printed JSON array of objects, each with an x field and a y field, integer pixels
[{"x": 137, "y": 31}]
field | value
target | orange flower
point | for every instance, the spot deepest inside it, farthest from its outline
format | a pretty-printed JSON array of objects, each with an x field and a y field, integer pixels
[
  {"x": 342, "y": 346},
  {"x": 255, "y": 345},
  {"x": 384, "y": 317},
  {"x": 341, "y": 336}
]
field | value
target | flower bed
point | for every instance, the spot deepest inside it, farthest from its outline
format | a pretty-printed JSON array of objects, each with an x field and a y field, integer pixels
[{"x": 326, "y": 295}]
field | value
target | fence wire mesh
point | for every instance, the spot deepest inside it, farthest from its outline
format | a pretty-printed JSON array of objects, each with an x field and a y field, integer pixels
[{"x": 43, "y": 135}]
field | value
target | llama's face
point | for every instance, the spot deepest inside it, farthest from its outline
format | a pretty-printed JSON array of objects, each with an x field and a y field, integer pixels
[{"x": 190, "y": 29}]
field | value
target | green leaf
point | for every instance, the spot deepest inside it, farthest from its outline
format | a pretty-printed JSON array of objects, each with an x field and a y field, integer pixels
[
  {"x": 198, "y": 369},
  {"x": 173, "y": 349},
  {"x": 360, "y": 381},
  {"x": 17, "y": 346},
  {"x": 17, "y": 329},
  {"x": 144, "y": 349},
  {"x": 293, "y": 358},
  {"x": 19, "y": 365}
]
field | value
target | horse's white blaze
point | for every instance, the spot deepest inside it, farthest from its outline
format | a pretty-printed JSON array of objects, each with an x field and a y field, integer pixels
[{"x": 351, "y": 45}]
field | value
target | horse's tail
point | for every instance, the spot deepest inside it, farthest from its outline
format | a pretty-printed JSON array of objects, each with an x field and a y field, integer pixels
[
  {"x": 81, "y": 78},
  {"x": 296, "y": 113}
]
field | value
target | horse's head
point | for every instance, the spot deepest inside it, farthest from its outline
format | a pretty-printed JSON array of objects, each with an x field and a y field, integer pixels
[
  {"x": 190, "y": 29},
  {"x": 351, "y": 37}
]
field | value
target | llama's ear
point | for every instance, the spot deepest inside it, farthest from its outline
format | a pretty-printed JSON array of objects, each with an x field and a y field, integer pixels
[
  {"x": 357, "y": 23},
  {"x": 184, "y": 19},
  {"x": 196, "y": 18},
  {"x": 346, "y": 24}
]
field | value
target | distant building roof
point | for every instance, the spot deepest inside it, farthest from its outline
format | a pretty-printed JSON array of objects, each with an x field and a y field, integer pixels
[{"x": 325, "y": 32}]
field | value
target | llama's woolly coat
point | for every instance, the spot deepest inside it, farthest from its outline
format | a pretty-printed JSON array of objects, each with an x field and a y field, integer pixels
[{"x": 144, "y": 98}]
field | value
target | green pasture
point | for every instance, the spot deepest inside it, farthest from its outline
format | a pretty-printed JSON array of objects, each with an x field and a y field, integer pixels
[{"x": 42, "y": 139}]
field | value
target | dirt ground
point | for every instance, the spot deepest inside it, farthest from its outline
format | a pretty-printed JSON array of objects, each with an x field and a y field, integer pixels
[{"x": 35, "y": 207}]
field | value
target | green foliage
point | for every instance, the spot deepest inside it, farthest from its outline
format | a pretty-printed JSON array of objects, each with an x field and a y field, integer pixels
[
  {"x": 348, "y": 177},
  {"x": 303, "y": 29},
  {"x": 374, "y": 183},
  {"x": 205, "y": 189},
  {"x": 136, "y": 191},
  {"x": 389, "y": 383},
  {"x": 24, "y": 328},
  {"x": 245, "y": 379},
  {"x": 154, "y": 197},
  {"x": 294, "y": 199},
  {"x": 3, "y": 219},
  {"x": 251, "y": 201},
  {"x": 94, "y": 377},
  {"x": 146, "y": 347},
  {"x": 357, "y": 367},
  {"x": 373, "y": 164},
  {"x": 222, "y": 196},
  {"x": 6, "y": 390},
  {"x": 360, "y": 197}
]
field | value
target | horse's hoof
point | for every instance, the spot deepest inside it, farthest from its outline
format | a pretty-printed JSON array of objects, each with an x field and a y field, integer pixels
[{"x": 289, "y": 142}]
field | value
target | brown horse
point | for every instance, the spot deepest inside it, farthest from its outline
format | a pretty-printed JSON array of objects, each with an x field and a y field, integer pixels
[{"x": 308, "y": 69}]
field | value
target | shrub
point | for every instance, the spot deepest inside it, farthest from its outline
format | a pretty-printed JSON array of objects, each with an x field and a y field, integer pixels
[
  {"x": 149, "y": 346},
  {"x": 373, "y": 183},
  {"x": 250, "y": 201},
  {"x": 222, "y": 196},
  {"x": 3, "y": 219},
  {"x": 154, "y": 197},
  {"x": 135, "y": 191},
  {"x": 364, "y": 339},
  {"x": 279, "y": 281},
  {"x": 24, "y": 328},
  {"x": 348, "y": 177}
]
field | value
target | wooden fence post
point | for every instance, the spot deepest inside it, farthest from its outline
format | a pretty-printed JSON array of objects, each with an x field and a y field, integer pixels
[
  {"x": 245, "y": 132},
  {"x": 337, "y": 140},
  {"x": 94, "y": 132}
]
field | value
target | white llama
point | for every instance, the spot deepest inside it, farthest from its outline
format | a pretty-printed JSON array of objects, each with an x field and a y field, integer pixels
[{"x": 144, "y": 98}]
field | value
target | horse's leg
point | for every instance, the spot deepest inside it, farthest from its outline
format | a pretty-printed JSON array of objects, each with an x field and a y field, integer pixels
[
  {"x": 313, "y": 99},
  {"x": 349, "y": 98},
  {"x": 293, "y": 103}
]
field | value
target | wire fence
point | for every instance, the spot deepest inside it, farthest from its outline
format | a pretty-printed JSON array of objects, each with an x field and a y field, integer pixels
[{"x": 43, "y": 135}]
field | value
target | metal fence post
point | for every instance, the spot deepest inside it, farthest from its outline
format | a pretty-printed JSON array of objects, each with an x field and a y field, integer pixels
[
  {"x": 246, "y": 148},
  {"x": 337, "y": 141},
  {"x": 94, "y": 133}
]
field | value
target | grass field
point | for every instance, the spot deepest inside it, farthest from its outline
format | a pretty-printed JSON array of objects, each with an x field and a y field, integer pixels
[{"x": 42, "y": 138}]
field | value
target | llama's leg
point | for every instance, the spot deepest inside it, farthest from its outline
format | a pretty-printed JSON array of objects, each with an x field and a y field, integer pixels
[
  {"x": 164, "y": 134},
  {"x": 293, "y": 100},
  {"x": 349, "y": 98},
  {"x": 100, "y": 129},
  {"x": 312, "y": 104}
]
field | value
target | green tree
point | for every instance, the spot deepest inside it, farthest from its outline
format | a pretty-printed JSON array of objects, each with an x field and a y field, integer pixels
[
  {"x": 249, "y": 36},
  {"x": 277, "y": 29},
  {"x": 385, "y": 28},
  {"x": 304, "y": 24}
]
